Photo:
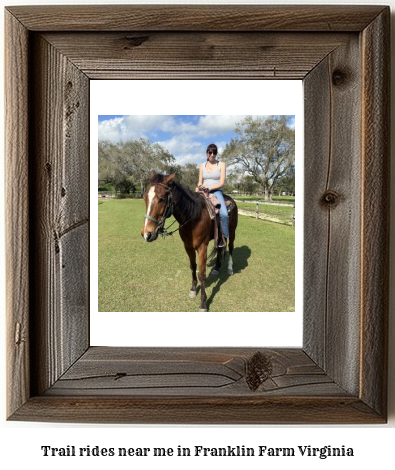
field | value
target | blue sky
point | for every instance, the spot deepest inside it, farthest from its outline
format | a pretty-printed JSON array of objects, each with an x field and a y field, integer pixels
[{"x": 186, "y": 137}]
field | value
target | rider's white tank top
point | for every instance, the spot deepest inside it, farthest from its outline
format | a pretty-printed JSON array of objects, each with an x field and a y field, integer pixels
[{"x": 211, "y": 178}]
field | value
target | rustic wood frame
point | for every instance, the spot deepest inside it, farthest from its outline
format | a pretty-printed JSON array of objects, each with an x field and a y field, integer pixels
[{"x": 340, "y": 374}]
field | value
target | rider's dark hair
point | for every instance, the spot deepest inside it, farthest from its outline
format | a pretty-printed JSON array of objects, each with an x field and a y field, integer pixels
[{"x": 212, "y": 147}]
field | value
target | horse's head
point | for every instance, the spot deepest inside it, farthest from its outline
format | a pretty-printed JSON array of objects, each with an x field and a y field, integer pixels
[{"x": 158, "y": 205}]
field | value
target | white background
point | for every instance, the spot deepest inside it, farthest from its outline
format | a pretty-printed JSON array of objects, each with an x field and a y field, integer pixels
[{"x": 20, "y": 442}]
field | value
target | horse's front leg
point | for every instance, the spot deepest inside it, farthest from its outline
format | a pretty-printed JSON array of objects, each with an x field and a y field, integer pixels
[
  {"x": 192, "y": 260},
  {"x": 202, "y": 252}
]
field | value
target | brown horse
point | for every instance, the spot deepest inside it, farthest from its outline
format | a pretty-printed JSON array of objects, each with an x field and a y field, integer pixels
[{"x": 165, "y": 197}]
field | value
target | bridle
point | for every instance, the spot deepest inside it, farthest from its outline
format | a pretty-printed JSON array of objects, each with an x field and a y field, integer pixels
[{"x": 166, "y": 214}]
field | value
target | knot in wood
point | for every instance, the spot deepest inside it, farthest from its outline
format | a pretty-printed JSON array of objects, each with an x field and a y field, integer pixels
[
  {"x": 259, "y": 369},
  {"x": 133, "y": 42},
  {"x": 340, "y": 77},
  {"x": 330, "y": 199}
]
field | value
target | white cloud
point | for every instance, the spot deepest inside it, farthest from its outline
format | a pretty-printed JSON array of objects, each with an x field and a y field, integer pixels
[
  {"x": 185, "y": 148},
  {"x": 188, "y": 139},
  {"x": 181, "y": 143},
  {"x": 133, "y": 127},
  {"x": 150, "y": 122},
  {"x": 195, "y": 158},
  {"x": 214, "y": 124},
  {"x": 112, "y": 129}
]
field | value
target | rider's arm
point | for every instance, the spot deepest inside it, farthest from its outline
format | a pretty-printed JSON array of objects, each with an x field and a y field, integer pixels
[{"x": 200, "y": 182}]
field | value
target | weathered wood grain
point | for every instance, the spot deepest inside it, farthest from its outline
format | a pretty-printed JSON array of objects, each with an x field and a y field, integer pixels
[
  {"x": 211, "y": 372},
  {"x": 122, "y": 385},
  {"x": 214, "y": 55},
  {"x": 17, "y": 212},
  {"x": 60, "y": 198},
  {"x": 339, "y": 376},
  {"x": 317, "y": 149},
  {"x": 332, "y": 213},
  {"x": 196, "y": 17},
  {"x": 198, "y": 410},
  {"x": 375, "y": 212}
]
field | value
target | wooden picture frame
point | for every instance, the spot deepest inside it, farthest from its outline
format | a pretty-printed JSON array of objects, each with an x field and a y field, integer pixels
[{"x": 340, "y": 374}]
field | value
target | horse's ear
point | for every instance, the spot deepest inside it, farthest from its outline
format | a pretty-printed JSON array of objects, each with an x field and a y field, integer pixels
[
  {"x": 168, "y": 180},
  {"x": 152, "y": 175}
]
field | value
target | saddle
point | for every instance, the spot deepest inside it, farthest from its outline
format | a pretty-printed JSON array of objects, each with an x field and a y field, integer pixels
[{"x": 213, "y": 205}]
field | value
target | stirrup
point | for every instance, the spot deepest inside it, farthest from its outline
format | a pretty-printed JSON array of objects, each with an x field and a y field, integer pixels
[{"x": 221, "y": 243}]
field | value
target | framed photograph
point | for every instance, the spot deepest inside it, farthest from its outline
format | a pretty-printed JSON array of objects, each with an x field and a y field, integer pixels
[
  {"x": 169, "y": 133},
  {"x": 339, "y": 375}
]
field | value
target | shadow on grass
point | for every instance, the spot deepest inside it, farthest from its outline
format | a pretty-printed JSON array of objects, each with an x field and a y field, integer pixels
[{"x": 240, "y": 262}]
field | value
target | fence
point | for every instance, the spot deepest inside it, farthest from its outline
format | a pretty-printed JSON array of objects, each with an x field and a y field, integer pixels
[{"x": 260, "y": 214}]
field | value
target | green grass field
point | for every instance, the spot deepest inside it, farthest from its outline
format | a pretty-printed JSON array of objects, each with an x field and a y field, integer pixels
[{"x": 137, "y": 276}]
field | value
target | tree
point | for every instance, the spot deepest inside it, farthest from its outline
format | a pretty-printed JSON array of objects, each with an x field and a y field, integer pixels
[
  {"x": 189, "y": 175},
  {"x": 127, "y": 165},
  {"x": 286, "y": 183},
  {"x": 249, "y": 185},
  {"x": 264, "y": 150}
]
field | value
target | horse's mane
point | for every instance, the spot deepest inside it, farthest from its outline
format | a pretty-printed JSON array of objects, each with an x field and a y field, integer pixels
[{"x": 188, "y": 202}]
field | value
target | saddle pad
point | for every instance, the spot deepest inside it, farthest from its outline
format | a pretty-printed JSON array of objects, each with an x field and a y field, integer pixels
[{"x": 210, "y": 206}]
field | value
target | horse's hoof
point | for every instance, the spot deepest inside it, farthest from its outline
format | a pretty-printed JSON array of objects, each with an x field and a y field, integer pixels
[
  {"x": 214, "y": 272},
  {"x": 202, "y": 309},
  {"x": 230, "y": 272},
  {"x": 192, "y": 294}
]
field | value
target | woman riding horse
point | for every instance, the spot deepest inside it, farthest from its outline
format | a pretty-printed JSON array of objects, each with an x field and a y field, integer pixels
[
  {"x": 165, "y": 197},
  {"x": 212, "y": 175}
]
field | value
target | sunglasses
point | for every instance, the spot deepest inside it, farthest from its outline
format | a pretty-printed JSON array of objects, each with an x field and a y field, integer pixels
[{"x": 211, "y": 152}]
